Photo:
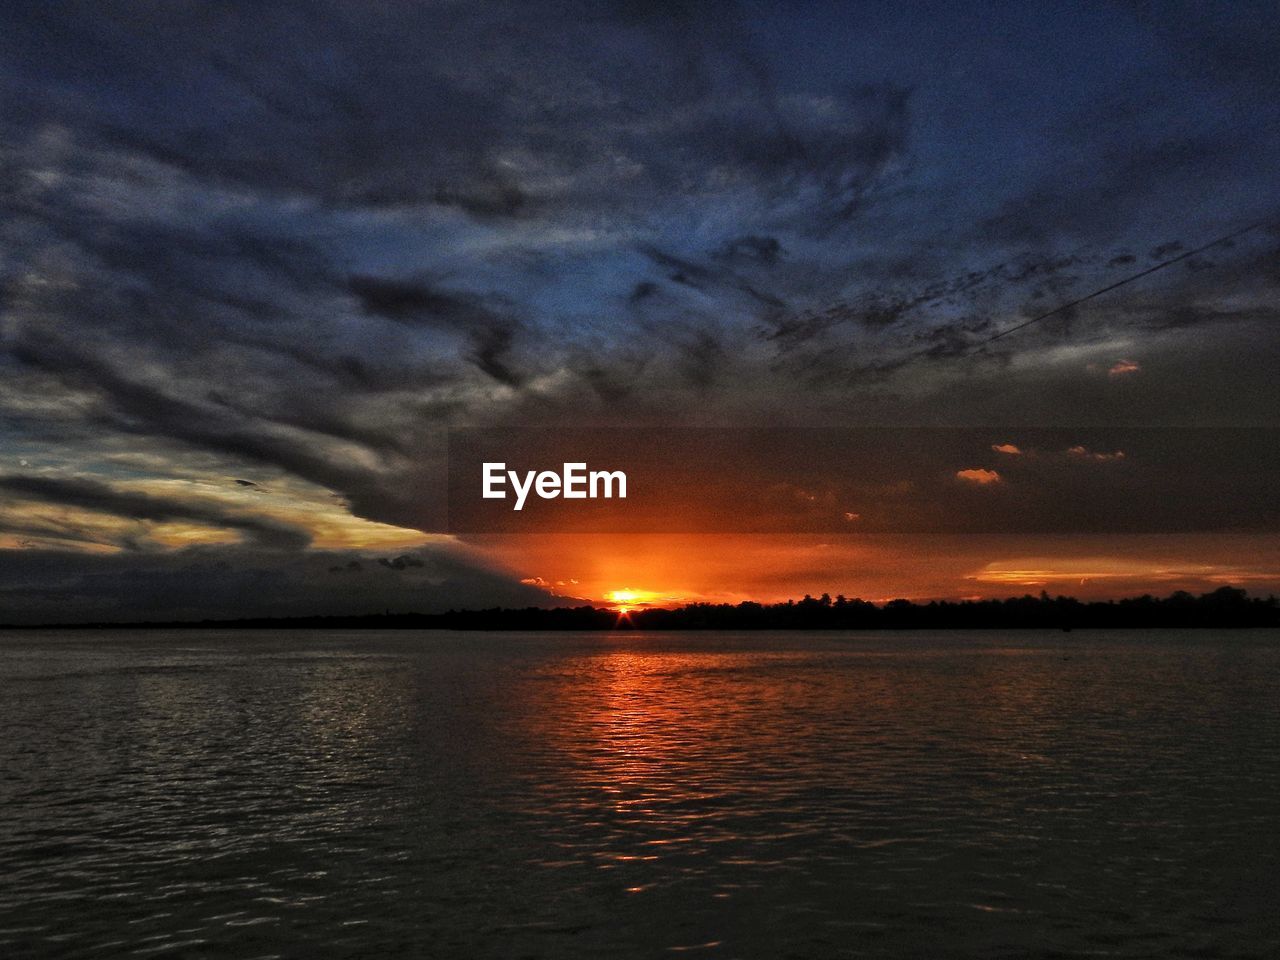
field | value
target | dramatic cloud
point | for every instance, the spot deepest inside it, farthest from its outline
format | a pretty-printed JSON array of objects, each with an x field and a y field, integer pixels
[{"x": 94, "y": 496}]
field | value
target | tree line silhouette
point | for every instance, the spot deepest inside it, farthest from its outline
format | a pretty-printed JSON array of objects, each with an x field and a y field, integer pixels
[{"x": 1226, "y": 607}]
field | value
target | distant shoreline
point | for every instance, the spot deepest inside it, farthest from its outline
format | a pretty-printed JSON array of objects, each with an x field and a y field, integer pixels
[{"x": 1225, "y": 608}]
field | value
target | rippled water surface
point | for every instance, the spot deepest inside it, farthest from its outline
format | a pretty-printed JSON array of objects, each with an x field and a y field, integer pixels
[{"x": 206, "y": 794}]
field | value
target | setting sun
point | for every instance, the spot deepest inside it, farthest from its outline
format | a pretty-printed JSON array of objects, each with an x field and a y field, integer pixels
[{"x": 626, "y": 599}]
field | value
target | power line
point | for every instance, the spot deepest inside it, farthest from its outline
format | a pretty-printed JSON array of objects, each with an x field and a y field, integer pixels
[{"x": 1120, "y": 283}]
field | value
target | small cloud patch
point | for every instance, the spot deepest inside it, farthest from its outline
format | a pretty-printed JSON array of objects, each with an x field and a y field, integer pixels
[
  {"x": 403, "y": 562},
  {"x": 352, "y": 566},
  {"x": 979, "y": 476},
  {"x": 1123, "y": 368},
  {"x": 1009, "y": 448},
  {"x": 1087, "y": 454}
]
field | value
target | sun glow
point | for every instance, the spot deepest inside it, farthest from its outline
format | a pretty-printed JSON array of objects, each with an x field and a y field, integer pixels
[{"x": 626, "y": 599}]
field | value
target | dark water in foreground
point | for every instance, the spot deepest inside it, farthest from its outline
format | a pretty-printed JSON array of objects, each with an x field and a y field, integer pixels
[{"x": 203, "y": 794}]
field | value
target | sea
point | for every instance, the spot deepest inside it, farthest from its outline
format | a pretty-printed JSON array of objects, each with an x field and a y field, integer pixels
[{"x": 309, "y": 794}]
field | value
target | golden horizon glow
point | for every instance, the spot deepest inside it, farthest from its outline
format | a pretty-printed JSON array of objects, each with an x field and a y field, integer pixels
[
  {"x": 626, "y": 599},
  {"x": 679, "y": 569}
]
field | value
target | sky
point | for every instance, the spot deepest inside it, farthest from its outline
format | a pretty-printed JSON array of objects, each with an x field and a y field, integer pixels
[{"x": 258, "y": 259}]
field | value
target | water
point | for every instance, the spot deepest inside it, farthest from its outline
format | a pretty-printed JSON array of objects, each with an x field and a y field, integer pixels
[{"x": 204, "y": 794}]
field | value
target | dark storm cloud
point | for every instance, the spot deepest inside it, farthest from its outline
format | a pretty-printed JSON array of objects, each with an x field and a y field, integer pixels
[
  {"x": 490, "y": 333},
  {"x": 313, "y": 235},
  {"x": 389, "y": 105},
  {"x": 95, "y": 496},
  {"x": 135, "y": 406},
  {"x": 243, "y": 92},
  {"x": 42, "y": 586}
]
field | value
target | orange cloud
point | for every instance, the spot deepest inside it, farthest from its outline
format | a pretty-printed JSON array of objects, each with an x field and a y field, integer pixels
[
  {"x": 979, "y": 476},
  {"x": 1043, "y": 571},
  {"x": 1124, "y": 367},
  {"x": 1008, "y": 448}
]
